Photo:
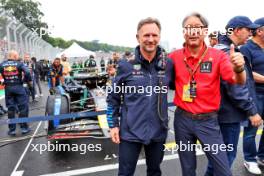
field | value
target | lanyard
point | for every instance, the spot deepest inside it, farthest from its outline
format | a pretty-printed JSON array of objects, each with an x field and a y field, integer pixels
[{"x": 193, "y": 71}]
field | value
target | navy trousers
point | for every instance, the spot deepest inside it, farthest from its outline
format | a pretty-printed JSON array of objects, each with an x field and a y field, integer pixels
[
  {"x": 207, "y": 131},
  {"x": 129, "y": 153},
  {"x": 230, "y": 132},
  {"x": 16, "y": 99}
]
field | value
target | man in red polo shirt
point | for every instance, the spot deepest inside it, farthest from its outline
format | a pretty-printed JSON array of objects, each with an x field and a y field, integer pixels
[{"x": 198, "y": 70}]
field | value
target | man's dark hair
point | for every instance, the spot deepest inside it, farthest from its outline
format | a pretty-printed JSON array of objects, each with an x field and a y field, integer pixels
[
  {"x": 57, "y": 59},
  {"x": 34, "y": 59},
  {"x": 197, "y": 15},
  {"x": 148, "y": 20},
  {"x": 213, "y": 34}
]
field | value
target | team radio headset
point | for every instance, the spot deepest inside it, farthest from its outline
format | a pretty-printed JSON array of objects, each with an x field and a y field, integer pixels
[{"x": 161, "y": 66}]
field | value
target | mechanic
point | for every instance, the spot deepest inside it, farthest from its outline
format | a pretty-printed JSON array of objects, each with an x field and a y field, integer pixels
[
  {"x": 253, "y": 50},
  {"x": 66, "y": 65},
  {"x": 56, "y": 78},
  {"x": 198, "y": 69},
  {"x": 237, "y": 101},
  {"x": 16, "y": 97},
  {"x": 90, "y": 63},
  {"x": 143, "y": 119}
]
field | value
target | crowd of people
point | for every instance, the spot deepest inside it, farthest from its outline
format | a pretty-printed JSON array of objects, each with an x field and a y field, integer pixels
[{"x": 22, "y": 80}]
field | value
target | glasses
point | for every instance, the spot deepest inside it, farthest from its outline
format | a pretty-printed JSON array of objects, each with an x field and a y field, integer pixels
[{"x": 189, "y": 27}]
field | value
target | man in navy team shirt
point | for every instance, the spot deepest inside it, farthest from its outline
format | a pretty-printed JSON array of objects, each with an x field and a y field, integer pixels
[{"x": 254, "y": 51}]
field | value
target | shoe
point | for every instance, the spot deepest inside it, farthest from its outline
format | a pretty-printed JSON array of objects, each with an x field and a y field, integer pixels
[
  {"x": 11, "y": 132},
  {"x": 2, "y": 112},
  {"x": 25, "y": 130},
  {"x": 260, "y": 161},
  {"x": 252, "y": 167},
  {"x": 3, "y": 109},
  {"x": 34, "y": 101},
  {"x": 36, "y": 96},
  {"x": 41, "y": 95}
]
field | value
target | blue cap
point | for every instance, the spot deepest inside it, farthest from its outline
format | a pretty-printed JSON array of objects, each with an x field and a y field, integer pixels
[
  {"x": 241, "y": 21},
  {"x": 260, "y": 22}
]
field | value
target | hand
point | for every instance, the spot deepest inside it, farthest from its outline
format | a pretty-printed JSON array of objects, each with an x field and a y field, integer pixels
[
  {"x": 255, "y": 120},
  {"x": 30, "y": 84},
  {"x": 114, "y": 133},
  {"x": 2, "y": 81},
  {"x": 52, "y": 91},
  {"x": 236, "y": 59}
]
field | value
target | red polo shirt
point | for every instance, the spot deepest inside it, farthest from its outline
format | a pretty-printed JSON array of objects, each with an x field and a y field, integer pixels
[{"x": 215, "y": 64}]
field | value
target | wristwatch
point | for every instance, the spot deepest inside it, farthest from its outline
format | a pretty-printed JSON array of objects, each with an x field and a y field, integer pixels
[{"x": 239, "y": 70}]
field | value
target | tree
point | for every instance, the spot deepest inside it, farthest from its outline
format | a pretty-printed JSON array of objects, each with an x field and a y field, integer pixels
[{"x": 27, "y": 12}]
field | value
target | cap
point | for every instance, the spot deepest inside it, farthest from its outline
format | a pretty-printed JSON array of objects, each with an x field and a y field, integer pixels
[
  {"x": 260, "y": 22},
  {"x": 241, "y": 21}
]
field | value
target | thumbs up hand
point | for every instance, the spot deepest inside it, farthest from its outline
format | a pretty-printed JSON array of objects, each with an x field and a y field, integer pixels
[{"x": 237, "y": 60}]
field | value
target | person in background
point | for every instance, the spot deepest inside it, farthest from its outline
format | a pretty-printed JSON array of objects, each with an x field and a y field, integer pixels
[
  {"x": 253, "y": 51},
  {"x": 36, "y": 69},
  {"x": 238, "y": 102},
  {"x": 66, "y": 66},
  {"x": 56, "y": 78},
  {"x": 213, "y": 38},
  {"x": 16, "y": 97},
  {"x": 102, "y": 64}
]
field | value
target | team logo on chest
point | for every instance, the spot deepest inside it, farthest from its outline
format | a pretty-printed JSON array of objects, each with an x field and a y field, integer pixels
[
  {"x": 137, "y": 70},
  {"x": 206, "y": 67}
]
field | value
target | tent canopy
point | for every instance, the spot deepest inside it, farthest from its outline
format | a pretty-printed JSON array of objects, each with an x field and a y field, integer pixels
[{"x": 76, "y": 50}]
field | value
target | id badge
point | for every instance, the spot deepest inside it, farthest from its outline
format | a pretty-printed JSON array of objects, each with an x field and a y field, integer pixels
[
  {"x": 193, "y": 89},
  {"x": 186, "y": 93}
]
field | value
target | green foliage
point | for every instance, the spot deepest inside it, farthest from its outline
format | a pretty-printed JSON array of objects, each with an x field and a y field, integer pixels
[
  {"x": 26, "y": 11},
  {"x": 92, "y": 46}
]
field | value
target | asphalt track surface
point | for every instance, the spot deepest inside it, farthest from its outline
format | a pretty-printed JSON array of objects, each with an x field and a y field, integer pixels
[{"x": 25, "y": 158}]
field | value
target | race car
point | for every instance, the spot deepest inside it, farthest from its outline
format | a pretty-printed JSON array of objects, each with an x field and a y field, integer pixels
[{"x": 82, "y": 95}]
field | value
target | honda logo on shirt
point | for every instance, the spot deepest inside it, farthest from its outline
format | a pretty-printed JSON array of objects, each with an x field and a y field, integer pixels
[{"x": 206, "y": 67}]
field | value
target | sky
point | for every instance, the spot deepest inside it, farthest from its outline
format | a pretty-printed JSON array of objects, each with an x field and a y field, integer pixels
[{"x": 115, "y": 21}]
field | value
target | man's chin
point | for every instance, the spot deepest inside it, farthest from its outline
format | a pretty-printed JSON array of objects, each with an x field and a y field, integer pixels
[
  {"x": 150, "y": 49},
  {"x": 194, "y": 44}
]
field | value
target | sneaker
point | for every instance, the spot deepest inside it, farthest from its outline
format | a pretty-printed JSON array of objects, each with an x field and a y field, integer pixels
[
  {"x": 252, "y": 167},
  {"x": 25, "y": 130},
  {"x": 2, "y": 112},
  {"x": 11, "y": 132},
  {"x": 36, "y": 96},
  {"x": 34, "y": 101},
  {"x": 260, "y": 161},
  {"x": 41, "y": 95}
]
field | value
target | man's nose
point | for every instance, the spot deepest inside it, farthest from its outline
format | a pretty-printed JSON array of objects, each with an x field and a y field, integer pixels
[{"x": 151, "y": 38}]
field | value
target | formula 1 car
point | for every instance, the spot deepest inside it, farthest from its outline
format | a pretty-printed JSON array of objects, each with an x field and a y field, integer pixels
[{"x": 82, "y": 93}]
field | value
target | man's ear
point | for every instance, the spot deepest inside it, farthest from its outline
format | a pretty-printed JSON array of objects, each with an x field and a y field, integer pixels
[
  {"x": 137, "y": 37},
  {"x": 236, "y": 30}
]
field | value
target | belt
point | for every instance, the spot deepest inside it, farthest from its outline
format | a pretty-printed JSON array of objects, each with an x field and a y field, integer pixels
[{"x": 202, "y": 116}]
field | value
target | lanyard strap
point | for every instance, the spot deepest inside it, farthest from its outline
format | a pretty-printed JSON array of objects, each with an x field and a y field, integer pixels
[{"x": 193, "y": 71}]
